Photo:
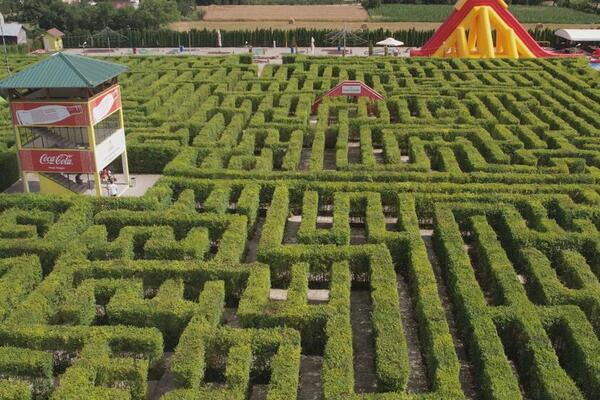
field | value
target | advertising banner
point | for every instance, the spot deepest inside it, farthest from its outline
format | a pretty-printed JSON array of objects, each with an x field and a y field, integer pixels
[
  {"x": 66, "y": 161},
  {"x": 105, "y": 104},
  {"x": 49, "y": 114},
  {"x": 110, "y": 149}
]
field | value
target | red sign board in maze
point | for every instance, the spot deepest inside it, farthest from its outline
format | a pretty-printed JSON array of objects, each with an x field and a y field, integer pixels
[
  {"x": 67, "y": 161},
  {"x": 348, "y": 88}
]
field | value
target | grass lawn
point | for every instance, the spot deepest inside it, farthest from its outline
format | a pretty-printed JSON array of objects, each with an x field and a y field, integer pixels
[{"x": 439, "y": 12}]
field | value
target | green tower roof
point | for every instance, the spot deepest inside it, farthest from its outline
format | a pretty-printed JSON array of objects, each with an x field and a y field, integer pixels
[{"x": 64, "y": 71}]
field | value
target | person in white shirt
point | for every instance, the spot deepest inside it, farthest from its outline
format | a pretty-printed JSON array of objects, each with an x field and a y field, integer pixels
[{"x": 112, "y": 189}]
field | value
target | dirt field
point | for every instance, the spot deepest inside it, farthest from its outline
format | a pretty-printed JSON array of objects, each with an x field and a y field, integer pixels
[
  {"x": 340, "y": 12},
  {"x": 251, "y": 25}
]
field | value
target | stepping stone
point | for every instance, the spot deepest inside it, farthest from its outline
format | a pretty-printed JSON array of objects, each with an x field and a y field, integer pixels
[
  {"x": 318, "y": 295},
  {"x": 295, "y": 218},
  {"x": 324, "y": 219},
  {"x": 278, "y": 294},
  {"x": 426, "y": 232}
]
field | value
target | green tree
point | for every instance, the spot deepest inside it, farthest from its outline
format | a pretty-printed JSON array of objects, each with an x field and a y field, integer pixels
[
  {"x": 46, "y": 13},
  {"x": 368, "y": 4},
  {"x": 10, "y": 8},
  {"x": 186, "y": 7},
  {"x": 161, "y": 11}
]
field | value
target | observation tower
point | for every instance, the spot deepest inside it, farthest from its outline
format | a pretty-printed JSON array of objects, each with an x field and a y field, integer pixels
[{"x": 68, "y": 122}]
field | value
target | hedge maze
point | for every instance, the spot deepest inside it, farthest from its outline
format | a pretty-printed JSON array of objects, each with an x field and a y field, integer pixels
[{"x": 441, "y": 244}]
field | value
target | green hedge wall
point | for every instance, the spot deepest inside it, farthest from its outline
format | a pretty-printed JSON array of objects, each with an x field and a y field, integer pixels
[{"x": 9, "y": 168}]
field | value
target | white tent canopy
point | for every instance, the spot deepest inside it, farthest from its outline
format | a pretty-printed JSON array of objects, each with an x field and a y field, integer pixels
[
  {"x": 390, "y": 42},
  {"x": 579, "y": 35}
]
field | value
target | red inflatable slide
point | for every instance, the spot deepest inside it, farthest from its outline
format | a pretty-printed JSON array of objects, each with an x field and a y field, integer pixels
[{"x": 463, "y": 17}]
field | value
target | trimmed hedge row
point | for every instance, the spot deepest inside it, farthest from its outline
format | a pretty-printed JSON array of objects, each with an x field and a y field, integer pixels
[
  {"x": 506, "y": 312},
  {"x": 9, "y": 168}
]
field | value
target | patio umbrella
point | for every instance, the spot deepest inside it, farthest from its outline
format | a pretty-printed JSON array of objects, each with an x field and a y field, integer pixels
[{"x": 390, "y": 42}]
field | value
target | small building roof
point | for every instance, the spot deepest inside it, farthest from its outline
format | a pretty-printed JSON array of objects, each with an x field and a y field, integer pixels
[
  {"x": 12, "y": 29},
  {"x": 64, "y": 71},
  {"x": 55, "y": 33},
  {"x": 579, "y": 35}
]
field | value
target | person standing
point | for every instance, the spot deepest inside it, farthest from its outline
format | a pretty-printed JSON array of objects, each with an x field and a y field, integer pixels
[{"x": 112, "y": 189}]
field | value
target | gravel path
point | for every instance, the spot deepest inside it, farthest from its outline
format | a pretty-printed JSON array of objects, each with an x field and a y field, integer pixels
[{"x": 365, "y": 378}]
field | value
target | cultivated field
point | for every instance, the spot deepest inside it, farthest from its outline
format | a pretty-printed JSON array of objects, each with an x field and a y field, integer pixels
[
  {"x": 442, "y": 243},
  {"x": 392, "y": 26},
  {"x": 353, "y": 16},
  {"x": 350, "y": 13},
  {"x": 252, "y": 25}
]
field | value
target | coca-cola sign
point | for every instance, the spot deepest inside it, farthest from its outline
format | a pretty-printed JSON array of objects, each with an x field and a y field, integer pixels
[
  {"x": 46, "y": 160},
  {"x": 60, "y": 159}
]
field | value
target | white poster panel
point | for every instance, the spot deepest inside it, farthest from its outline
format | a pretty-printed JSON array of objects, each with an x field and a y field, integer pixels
[
  {"x": 351, "y": 89},
  {"x": 110, "y": 149}
]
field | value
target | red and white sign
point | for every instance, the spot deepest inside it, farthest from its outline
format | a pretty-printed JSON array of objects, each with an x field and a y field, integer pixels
[
  {"x": 67, "y": 161},
  {"x": 105, "y": 104},
  {"x": 49, "y": 114},
  {"x": 66, "y": 114}
]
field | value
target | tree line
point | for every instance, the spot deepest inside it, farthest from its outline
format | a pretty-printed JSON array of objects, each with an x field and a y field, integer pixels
[
  {"x": 300, "y": 37},
  {"x": 83, "y": 17}
]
